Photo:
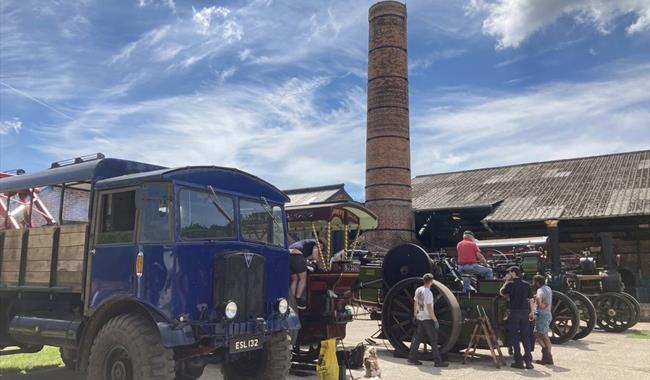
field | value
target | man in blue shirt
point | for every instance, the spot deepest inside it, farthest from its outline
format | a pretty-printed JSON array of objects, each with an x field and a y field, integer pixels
[{"x": 521, "y": 306}]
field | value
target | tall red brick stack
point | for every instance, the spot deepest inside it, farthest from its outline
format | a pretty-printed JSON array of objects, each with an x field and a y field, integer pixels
[{"x": 388, "y": 162}]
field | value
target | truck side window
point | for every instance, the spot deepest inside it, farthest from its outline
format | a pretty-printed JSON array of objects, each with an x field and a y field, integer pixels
[
  {"x": 155, "y": 213},
  {"x": 117, "y": 217},
  {"x": 206, "y": 216}
]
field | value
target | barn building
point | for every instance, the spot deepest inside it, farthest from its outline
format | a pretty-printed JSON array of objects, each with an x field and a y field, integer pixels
[
  {"x": 608, "y": 193},
  {"x": 317, "y": 194}
]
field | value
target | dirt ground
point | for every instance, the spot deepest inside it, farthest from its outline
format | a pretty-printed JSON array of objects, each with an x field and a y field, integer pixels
[{"x": 601, "y": 355}]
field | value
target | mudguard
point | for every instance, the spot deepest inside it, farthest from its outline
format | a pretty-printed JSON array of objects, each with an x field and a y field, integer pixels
[{"x": 171, "y": 335}]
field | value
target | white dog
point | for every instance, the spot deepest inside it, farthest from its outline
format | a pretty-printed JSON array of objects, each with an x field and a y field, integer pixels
[{"x": 371, "y": 364}]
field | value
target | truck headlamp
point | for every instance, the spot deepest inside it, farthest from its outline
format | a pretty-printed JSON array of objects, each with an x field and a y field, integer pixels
[{"x": 231, "y": 310}]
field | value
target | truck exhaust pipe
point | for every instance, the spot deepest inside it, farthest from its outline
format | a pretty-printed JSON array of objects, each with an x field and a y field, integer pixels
[{"x": 43, "y": 331}]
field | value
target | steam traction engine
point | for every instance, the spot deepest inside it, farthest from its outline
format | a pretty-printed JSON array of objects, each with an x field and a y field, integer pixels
[
  {"x": 388, "y": 289},
  {"x": 531, "y": 255},
  {"x": 616, "y": 311},
  {"x": 329, "y": 285}
]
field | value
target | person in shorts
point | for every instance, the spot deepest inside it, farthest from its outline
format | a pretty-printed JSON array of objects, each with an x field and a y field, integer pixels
[
  {"x": 543, "y": 317},
  {"x": 299, "y": 253}
]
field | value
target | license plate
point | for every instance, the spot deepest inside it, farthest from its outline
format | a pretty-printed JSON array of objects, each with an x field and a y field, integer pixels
[{"x": 249, "y": 343}]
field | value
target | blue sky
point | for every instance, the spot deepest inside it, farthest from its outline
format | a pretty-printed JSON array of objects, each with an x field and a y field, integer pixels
[{"x": 278, "y": 88}]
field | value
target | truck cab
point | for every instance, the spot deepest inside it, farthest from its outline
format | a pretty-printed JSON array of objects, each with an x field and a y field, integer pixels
[{"x": 172, "y": 265}]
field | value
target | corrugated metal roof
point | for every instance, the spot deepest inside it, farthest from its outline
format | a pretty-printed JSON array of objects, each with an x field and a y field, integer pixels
[
  {"x": 319, "y": 194},
  {"x": 590, "y": 187}
]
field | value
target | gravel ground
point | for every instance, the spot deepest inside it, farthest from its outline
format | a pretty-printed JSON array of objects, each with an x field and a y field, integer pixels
[{"x": 599, "y": 356}]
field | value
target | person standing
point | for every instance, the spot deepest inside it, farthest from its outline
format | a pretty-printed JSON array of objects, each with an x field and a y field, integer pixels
[
  {"x": 543, "y": 317},
  {"x": 521, "y": 308},
  {"x": 426, "y": 323},
  {"x": 469, "y": 257}
]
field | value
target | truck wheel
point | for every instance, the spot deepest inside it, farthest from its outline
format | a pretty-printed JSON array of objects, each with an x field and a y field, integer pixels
[
  {"x": 128, "y": 347},
  {"x": 271, "y": 362},
  {"x": 189, "y": 369},
  {"x": 69, "y": 358}
]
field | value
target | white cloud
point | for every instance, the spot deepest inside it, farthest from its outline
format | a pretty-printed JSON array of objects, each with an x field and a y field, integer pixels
[
  {"x": 245, "y": 54},
  {"x": 9, "y": 126},
  {"x": 278, "y": 131},
  {"x": 149, "y": 39},
  {"x": 165, "y": 3},
  {"x": 74, "y": 26},
  {"x": 167, "y": 52},
  {"x": 185, "y": 41},
  {"x": 426, "y": 61},
  {"x": 214, "y": 20},
  {"x": 226, "y": 73},
  {"x": 512, "y": 21},
  {"x": 550, "y": 121}
]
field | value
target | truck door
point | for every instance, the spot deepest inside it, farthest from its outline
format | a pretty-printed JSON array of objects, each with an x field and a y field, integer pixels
[
  {"x": 155, "y": 242},
  {"x": 114, "y": 252}
]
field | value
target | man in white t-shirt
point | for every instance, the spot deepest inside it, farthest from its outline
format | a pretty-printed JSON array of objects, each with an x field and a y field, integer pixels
[
  {"x": 543, "y": 318},
  {"x": 427, "y": 323}
]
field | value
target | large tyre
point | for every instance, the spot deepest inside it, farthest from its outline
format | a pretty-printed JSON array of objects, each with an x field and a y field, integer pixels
[
  {"x": 615, "y": 313},
  {"x": 306, "y": 354},
  {"x": 587, "y": 314},
  {"x": 31, "y": 349},
  {"x": 566, "y": 318},
  {"x": 271, "y": 362},
  {"x": 189, "y": 369},
  {"x": 397, "y": 313},
  {"x": 69, "y": 358},
  {"x": 128, "y": 347},
  {"x": 637, "y": 308}
]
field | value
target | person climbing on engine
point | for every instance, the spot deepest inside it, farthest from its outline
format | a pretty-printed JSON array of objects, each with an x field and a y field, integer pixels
[{"x": 300, "y": 253}]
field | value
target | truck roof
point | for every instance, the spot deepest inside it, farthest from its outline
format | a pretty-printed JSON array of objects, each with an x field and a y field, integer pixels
[
  {"x": 87, "y": 172},
  {"x": 223, "y": 178}
]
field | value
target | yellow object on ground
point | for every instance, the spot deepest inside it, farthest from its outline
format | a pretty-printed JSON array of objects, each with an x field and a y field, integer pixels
[{"x": 327, "y": 367}]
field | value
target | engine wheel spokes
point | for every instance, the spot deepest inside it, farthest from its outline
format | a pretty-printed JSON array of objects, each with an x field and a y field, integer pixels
[
  {"x": 397, "y": 312},
  {"x": 587, "y": 313},
  {"x": 566, "y": 318},
  {"x": 637, "y": 308},
  {"x": 615, "y": 313}
]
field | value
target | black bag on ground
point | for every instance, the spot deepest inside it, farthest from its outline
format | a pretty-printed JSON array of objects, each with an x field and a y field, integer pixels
[
  {"x": 352, "y": 357},
  {"x": 356, "y": 356}
]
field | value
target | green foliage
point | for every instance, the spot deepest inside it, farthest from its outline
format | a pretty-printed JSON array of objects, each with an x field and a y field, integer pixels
[
  {"x": 639, "y": 334},
  {"x": 48, "y": 357}
]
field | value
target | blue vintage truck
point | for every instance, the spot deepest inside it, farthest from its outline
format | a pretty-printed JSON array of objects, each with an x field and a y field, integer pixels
[{"x": 138, "y": 271}]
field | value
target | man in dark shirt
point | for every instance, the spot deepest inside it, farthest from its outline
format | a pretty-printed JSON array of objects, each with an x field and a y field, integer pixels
[{"x": 521, "y": 306}]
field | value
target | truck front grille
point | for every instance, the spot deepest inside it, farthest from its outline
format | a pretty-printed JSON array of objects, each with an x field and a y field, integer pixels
[{"x": 239, "y": 277}]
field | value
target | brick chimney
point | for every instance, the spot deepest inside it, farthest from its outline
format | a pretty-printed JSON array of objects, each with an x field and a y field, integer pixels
[{"x": 388, "y": 162}]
